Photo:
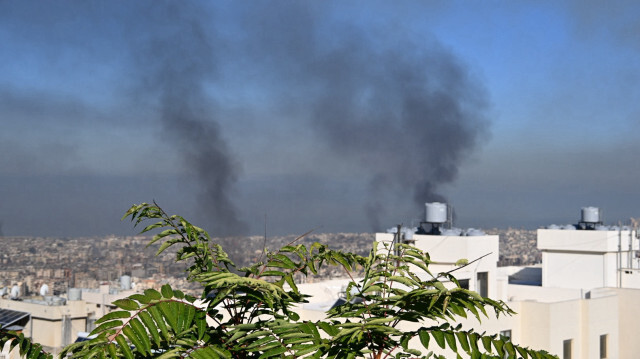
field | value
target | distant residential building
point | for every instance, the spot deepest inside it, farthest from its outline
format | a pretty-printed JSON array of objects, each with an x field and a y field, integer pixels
[{"x": 56, "y": 321}]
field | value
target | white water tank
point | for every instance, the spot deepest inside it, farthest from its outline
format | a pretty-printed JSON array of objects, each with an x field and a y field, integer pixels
[
  {"x": 75, "y": 294},
  {"x": 44, "y": 290},
  {"x": 408, "y": 233},
  {"x": 125, "y": 282},
  {"x": 474, "y": 232},
  {"x": 590, "y": 214},
  {"x": 436, "y": 212},
  {"x": 15, "y": 292}
]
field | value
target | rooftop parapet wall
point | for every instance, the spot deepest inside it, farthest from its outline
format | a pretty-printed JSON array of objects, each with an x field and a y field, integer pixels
[
  {"x": 449, "y": 249},
  {"x": 585, "y": 240}
]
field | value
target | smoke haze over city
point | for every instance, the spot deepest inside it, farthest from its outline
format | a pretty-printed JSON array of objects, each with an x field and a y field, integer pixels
[{"x": 335, "y": 116}]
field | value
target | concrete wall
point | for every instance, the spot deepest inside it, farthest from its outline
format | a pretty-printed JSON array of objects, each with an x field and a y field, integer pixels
[
  {"x": 630, "y": 278},
  {"x": 629, "y": 324},
  {"x": 600, "y": 317},
  {"x": 584, "y": 241},
  {"x": 560, "y": 269},
  {"x": 592, "y": 254},
  {"x": 547, "y": 325}
]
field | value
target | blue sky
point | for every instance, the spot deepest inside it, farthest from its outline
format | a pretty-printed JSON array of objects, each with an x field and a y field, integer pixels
[{"x": 340, "y": 116}]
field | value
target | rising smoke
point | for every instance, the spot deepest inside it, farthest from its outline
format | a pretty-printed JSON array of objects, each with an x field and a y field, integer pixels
[
  {"x": 412, "y": 121},
  {"x": 177, "y": 61},
  {"x": 404, "y": 111}
]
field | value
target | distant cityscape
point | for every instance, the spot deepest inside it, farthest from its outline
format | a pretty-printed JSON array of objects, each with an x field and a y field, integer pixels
[{"x": 63, "y": 263}]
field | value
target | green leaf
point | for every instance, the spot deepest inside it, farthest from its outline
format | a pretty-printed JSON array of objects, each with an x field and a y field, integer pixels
[
  {"x": 201, "y": 324},
  {"x": 439, "y": 337},
  {"x": 281, "y": 261},
  {"x": 306, "y": 350},
  {"x": 159, "y": 320},
  {"x": 190, "y": 312},
  {"x": 293, "y": 316},
  {"x": 124, "y": 347},
  {"x": 221, "y": 352},
  {"x": 257, "y": 334},
  {"x": 292, "y": 284},
  {"x": 473, "y": 341},
  {"x": 522, "y": 352},
  {"x": 119, "y": 314},
  {"x": 273, "y": 352},
  {"x": 179, "y": 310},
  {"x": 141, "y": 332},
  {"x": 166, "y": 291},
  {"x": 423, "y": 334},
  {"x": 413, "y": 352},
  {"x": 451, "y": 340},
  {"x": 112, "y": 350},
  {"x": 166, "y": 232},
  {"x": 486, "y": 341},
  {"x": 153, "y": 294},
  {"x": 498, "y": 344},
  {"x": 380, "y": 320},
  {"x": 272, "y": 273},
  {"x": 131, "y": 335},
  {"x": 126, "y": 304},
  {"x": 173, "y": 353},
  {"x": 151, "y": 327},
  {"x": 462, "y": 339},
  {"x": 166, "y": 244},
  {"x": 152, "y": 226},
  {"x": 404, "y": 280},
  {"x": 508, "y": 347},
  {"x": 140, "y": 298},
  {"x": 106, "y": 326},
  {"x": 262, "y": 344}
]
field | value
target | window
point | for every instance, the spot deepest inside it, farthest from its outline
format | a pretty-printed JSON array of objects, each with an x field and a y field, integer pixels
[
  {"x": 506, "y": 333},
  {"x": 566, "y": 348},
  {"x": 464, "y": 283},
  {"x": 603, "y": 346},
  {"x": 483, "y": 284}
]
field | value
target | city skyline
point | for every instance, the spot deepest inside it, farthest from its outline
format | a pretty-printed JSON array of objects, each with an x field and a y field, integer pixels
[{"x": 333, "y": 116}]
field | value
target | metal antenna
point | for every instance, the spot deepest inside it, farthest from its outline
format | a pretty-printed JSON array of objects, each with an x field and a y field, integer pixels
[{"x": 396, "y": 247}]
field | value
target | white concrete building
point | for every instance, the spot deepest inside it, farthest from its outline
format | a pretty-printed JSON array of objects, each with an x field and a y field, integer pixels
[
  {"x": 583, "y": 301},
  {"x": 446, "y": 250},
  {"x": 602, "y": 258}
]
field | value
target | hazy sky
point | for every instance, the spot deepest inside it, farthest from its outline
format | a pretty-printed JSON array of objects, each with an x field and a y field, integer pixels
[{"x": 335, "y": 115}]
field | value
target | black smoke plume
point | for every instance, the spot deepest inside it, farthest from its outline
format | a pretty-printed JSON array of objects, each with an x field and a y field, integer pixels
[
  {"x": 404, "y": 111},
  {"x": 178, "y": 60},
  {"x": 400, "y": 111}
]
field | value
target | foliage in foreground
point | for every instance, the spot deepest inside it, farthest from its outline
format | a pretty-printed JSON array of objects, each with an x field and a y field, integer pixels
[{"x": 250, "y": 312}]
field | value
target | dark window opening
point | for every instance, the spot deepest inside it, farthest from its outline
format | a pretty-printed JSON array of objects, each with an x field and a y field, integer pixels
[
  {"x": 566, "y": 348},
  {"x": 603, "y": 346},
  {"x": 464, "y": 283},
  {"x": 483, "y": 284}
]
